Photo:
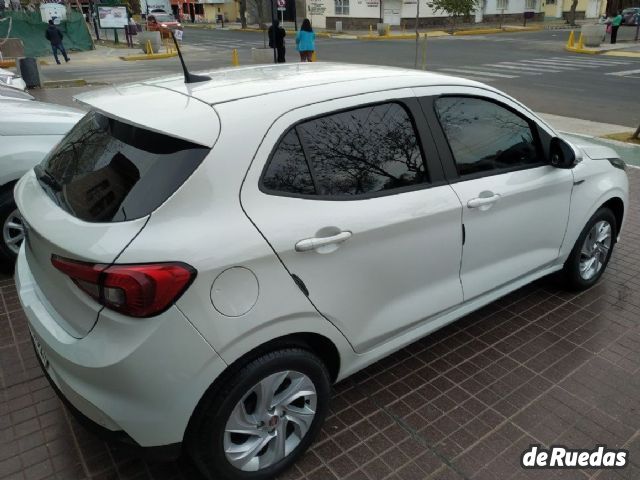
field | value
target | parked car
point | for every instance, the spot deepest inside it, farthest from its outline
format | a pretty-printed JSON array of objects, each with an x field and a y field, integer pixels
[
  {"x": 7, "y": 92},
  {"x": 28, "y": 131},
  {"x": 199, "y": 280},
  {"x": 163, "y": 23},
  {"x": 11, "y": 79},
  {"x": 631, "y": 16}
]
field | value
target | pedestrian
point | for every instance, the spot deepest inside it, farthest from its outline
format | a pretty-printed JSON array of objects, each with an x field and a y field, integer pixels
[
  {"x": 276, "y": 39},
  {"x": 306, "y": 41},
  {"x": 615, "y": 25},
  {"x": 55, "y": 37}
]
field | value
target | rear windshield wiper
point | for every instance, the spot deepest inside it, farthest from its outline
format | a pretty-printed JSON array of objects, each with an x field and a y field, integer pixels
[{"x": 45, "y": 177}]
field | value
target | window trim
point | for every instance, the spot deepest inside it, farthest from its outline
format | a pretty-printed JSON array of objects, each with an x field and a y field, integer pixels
[
  {"x": 412, "y": 108},
  {"x": 449, "y": 161}
]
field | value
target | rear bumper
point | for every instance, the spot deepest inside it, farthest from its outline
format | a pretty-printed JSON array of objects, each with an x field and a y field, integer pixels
[
  {"x": 164, "y": 453},
  {"x": 137, "y": 380}
]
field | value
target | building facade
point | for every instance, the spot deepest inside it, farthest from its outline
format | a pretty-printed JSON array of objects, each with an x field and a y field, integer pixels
[{"x": 363, "y": 14}]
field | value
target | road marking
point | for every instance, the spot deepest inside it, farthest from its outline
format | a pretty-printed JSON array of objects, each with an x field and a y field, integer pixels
[
  {"x": 560, "y": 63},
  {"x": 542, "y": 64},
  {"x": 476, "y": 72},
  {"x": 528, "y": 70},
  {"x": 624, "y": 73},
  {"x": 574, "y": 59}
]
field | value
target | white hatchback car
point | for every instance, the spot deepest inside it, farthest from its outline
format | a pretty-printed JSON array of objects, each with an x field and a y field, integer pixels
[{"x": 200, "y": 278}]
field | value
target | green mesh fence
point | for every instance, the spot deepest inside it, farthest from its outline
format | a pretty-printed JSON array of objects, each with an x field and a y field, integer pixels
[{"x": 30, "y": 28}]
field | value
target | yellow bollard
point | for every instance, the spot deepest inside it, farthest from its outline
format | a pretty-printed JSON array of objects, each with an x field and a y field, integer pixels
[
  {"x": 388, "y": 30},
  {"x": 571, "y": 41},
  {"x": 148, "y": 47},
  {"x": 370, "y": 31},
  {"x": 580, "y": 42},
  {"x": 235, "y": 61},
  {"x": 314, "y": 58}
]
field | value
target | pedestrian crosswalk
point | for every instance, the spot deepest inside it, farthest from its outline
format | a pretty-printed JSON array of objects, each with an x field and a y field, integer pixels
[{"x": 508, "y": 70}]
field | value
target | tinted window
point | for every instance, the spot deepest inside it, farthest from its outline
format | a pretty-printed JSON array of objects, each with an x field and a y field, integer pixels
[
  {"x": 363, "y": 151},
  {"x": 484, "y": 136},
  {"x": 109, "y": 171},
  {"x": 288, "y": 170}
]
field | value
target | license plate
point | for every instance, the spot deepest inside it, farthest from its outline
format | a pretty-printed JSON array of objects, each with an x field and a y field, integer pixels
[{"x": 39, "y": 350}]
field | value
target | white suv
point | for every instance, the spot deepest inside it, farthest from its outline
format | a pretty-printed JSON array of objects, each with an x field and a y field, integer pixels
[{"x": 199, "y": 278}]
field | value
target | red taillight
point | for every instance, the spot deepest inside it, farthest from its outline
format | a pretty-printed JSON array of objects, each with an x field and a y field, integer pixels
[{"x": 135, "y": 290}]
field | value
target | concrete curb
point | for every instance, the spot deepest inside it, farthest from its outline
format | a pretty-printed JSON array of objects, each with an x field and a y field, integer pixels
[
  {"x": 153, "y": 56},
  {"x": 587, "y": 51},
  {"x": 623, "y": 54},
  {"x": 489, "y": 31},
  {"x": 79, "y": 82},
  {"x": 403, "y": 36}
]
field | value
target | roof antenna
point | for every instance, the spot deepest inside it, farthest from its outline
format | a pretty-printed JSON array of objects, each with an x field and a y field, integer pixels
[{"x": 188, "y": 77}]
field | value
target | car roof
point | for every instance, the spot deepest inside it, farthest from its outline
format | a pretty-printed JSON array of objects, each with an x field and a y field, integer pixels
[
  {"x": 182, "y": 113},
  {"x": 231, "y": 84},
  {"x": 36, "y": 118}
]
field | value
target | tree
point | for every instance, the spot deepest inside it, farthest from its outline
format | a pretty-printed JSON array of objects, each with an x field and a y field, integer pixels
[
  {"x": 572, "y": 13},
  {"x": 455, "y": 8}
]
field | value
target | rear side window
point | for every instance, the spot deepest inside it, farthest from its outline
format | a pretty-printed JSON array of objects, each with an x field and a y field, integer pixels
[
  {"x": 105, "y": 170},
  {"x": 288, "y": 171},
  {"x": 486, "y": 137},
  {"x": 367, "y": 151}
]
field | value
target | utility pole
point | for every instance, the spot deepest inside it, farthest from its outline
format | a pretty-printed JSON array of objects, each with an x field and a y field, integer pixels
[{"x": 417, "y": 33}]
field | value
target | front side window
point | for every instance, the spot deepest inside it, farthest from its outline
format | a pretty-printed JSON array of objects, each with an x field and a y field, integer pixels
[
  {"x": 485, "y": 137},
  {"x": 342, "y": 7},
  {"x": 369, "y": 150}
]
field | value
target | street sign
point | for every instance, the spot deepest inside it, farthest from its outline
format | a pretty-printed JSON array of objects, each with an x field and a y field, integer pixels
[
  {"x": 282, "y": 4},
  {"x": 178, "y": 34}
]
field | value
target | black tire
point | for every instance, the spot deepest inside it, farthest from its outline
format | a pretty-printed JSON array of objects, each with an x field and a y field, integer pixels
[
  {"x": 7, "y": 207},
  {"x": 205, "y": 437},
  {"x": 571, "y": 271}
]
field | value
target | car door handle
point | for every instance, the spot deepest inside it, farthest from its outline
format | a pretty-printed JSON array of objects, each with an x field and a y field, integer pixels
[
  {"x": 316, "y": 242},
  {"x": 483, "y": 201}
]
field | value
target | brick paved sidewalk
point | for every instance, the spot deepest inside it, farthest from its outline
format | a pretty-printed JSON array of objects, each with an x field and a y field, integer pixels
[{"x": 538, "y": 366}]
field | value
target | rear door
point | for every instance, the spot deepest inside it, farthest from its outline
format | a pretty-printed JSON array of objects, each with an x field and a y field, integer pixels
[
  {"x": 351, "y": 196},
  {"x": 89, "y": 198}
]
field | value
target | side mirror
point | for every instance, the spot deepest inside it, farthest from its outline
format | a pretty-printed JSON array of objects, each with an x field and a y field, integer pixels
[{"x": 562, "y": 154}]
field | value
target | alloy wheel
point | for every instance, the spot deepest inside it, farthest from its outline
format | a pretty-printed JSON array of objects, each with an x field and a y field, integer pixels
[
  {"x": 270, "y": 420},
  {"x": 595, "y": 250},
  {"x": 13, "y": 231}
]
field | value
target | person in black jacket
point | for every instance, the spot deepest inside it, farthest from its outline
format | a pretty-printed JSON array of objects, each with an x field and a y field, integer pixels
[
  {"x": 276, "y": 39},
  {"x": 55, "y": 37}
]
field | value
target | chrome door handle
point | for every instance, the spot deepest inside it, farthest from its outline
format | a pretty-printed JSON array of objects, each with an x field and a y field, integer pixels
[
  {"x": 483, "y": 201},
  {"x": 316, "y": 242}
]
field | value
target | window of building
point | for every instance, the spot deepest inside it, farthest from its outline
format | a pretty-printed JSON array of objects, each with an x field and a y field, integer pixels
[
  {"x": 531, "y": 4},
  {"x": 484, "y": 136},
  {"x": 342, "y": 7},
  {"x": 502, "y": 4}
]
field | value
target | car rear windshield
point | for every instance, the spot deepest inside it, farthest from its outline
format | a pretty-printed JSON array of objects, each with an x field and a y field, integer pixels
[{"x": 106, "y": 170}]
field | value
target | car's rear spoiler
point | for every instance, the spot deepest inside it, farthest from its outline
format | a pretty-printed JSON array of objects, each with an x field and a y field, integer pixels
[{"x": 157, "y": 109}]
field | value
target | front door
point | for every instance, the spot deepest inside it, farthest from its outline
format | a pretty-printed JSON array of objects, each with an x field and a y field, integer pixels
[
  {"x": 515, "y": 205},
  {"x": 352, "y": 200}
]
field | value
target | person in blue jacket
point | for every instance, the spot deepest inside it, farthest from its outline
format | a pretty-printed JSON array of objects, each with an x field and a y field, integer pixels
[{"x": 306, "y": 41}]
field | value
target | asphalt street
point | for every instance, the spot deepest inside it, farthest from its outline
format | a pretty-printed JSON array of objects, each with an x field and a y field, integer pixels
[{"x": 531, "y": 66}]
